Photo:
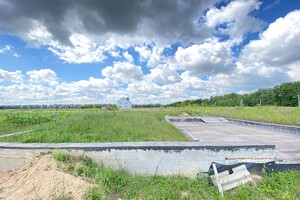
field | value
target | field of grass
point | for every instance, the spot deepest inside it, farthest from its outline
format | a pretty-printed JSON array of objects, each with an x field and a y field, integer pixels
[
  {"x": 118, "y": 184},
  {"x": 12, "y": 121},
  {"x": 96, "y": 125},
  {"x": 271, "y": 114}
]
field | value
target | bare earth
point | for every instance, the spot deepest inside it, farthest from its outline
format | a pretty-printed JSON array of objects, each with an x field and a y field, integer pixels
[{"x": 41, "y": 179}]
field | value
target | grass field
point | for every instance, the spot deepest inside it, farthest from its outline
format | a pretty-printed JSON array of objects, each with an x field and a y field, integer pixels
[
  {"x": 278, "y": 115},
  {"x": 98, "y": 125},
  {"x": 12, "y": 121},
  {"x": 118, "y": 184}
]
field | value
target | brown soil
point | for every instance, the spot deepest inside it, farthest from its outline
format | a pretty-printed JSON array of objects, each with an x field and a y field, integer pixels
[
  {"x": 41, "y": 179},
  {"x": 184, "y": 114}
]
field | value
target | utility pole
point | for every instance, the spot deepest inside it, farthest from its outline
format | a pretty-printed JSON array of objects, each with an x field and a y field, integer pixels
[
  {"x": 299, "y": 100},
  {"x": 260, "y": 102}
]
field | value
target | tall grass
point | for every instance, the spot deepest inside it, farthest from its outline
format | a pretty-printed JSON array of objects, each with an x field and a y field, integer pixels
[
  {"x": 118, "y": 184},
  {"x": 95, "y": 125},
  {"x": 15, "y": 120},
  {"x": 270, "y": 114}
]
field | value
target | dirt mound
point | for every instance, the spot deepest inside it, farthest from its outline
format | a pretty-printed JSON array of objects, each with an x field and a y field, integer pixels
[
  {"x": 41, "y": 179},
  {"x": 184, "y": 114}
]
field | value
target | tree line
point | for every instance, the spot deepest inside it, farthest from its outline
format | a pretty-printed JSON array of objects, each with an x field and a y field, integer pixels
[{"x": 285, "y": 94}]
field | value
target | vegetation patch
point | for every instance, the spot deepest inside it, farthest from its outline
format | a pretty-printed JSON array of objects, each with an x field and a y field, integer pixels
[
  {"x": 269, "y": 114},
  {"x": 114, "y": 184},
  {"x": 12, "y": 121},
  {"x": 285, "y": 94},
  {"x": 98, "y": 125},
  {"x": 25, "y": 119}
]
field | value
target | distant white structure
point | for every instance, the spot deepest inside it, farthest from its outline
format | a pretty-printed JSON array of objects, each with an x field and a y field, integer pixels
[{"x": 124, "y": 103}]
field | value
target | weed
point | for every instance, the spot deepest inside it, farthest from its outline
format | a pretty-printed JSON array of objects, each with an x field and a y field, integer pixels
[
  {"x": 61, "y": 156},
  {"x": 63, "y": 196},
  {"x": 98, "y": 125},
  {"x": 91, "y": 125},
  {"x": 118, "y": 184}
]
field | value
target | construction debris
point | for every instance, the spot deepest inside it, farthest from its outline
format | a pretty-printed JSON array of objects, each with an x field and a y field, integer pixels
[{"x": 226, "y": 180}]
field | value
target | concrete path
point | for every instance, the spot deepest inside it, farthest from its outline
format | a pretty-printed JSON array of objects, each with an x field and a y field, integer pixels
[{"x": 287, "y": 145}]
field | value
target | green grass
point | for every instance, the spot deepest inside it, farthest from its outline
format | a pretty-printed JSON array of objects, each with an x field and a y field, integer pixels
[
  {"x": 12, "y": 121},
  {"x": 96, "y": 125},
  {"x": 114, "y": 184},
  {"x": 270, "y": 114},
  {"x": 278, "y": 115}
]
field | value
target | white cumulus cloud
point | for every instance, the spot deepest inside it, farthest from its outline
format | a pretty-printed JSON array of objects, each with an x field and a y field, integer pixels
[
  {"x": 275, "y": 55},
  {"x": 42, "y": 76},
  {"x": 123, "y": 71},
  {"x": 15, "y": 77},
  {"x": 234, "y": 19},
  {"x": 83, "y": 50},
  {"x": 207, "y": 58}
]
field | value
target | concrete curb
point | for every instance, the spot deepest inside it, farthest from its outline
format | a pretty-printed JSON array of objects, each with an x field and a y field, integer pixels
[
  {"x": 165, "y": 146},
  {"x": 276, "y": 127}
]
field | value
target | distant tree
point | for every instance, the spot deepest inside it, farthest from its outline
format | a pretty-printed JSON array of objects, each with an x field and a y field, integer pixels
[{"x": 281, "y": 95}]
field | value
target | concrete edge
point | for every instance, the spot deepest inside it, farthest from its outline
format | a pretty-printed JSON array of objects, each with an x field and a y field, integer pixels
[
  {"x": 271, "y": 126},
  {"x": 276, "y": 127},
  {"x": 164, "y": 146},
  {"x": 186, "y": 134}
]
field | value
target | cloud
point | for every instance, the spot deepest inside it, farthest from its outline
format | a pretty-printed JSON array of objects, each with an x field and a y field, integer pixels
[
  {"x": 157, "y": 51},
  {"x": 164, "y": 73},
  {"x": 5, "y": 49},
  {"x": 128, "y": 57},
  {"x": 90, "y": 88},
  {"x": 15, "y": 77},
  {"x": 275, "y": 54},
  {"x": 123, "y": 71},
  {"x": 82, "y": 51},
  {"x": 234, "y": 19},
  {"x": 61, "y": 18},
  {"x": 78, "y": 32},
  {"x": 271, "y": 5},
  {"x": 32, "y": 91},
  {"x": 144, "y": 52},
  {"x": 42, "y": 76},
  {"x": 206, "y": 58},
  {"x": 9, "y": 49},
  {"x": 155, "y": 57},
  {"x": 278, "y": 45}
]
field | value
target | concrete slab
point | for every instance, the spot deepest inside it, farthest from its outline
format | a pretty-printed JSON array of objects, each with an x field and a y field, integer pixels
[
  {"x": 287, "y": 145},
  {"x": 214, "y": 120}
]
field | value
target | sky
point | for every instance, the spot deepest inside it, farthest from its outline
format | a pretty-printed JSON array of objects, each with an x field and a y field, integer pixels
[{"x": 152, "y": 51}]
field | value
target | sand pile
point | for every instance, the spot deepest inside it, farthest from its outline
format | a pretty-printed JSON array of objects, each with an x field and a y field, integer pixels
[
  {"x": 41, "y": 179},
  {"x": 184, "y": 114}
]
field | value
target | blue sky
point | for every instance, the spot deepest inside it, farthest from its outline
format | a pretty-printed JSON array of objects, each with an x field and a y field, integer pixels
[{"x": 163, "y": 51}]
